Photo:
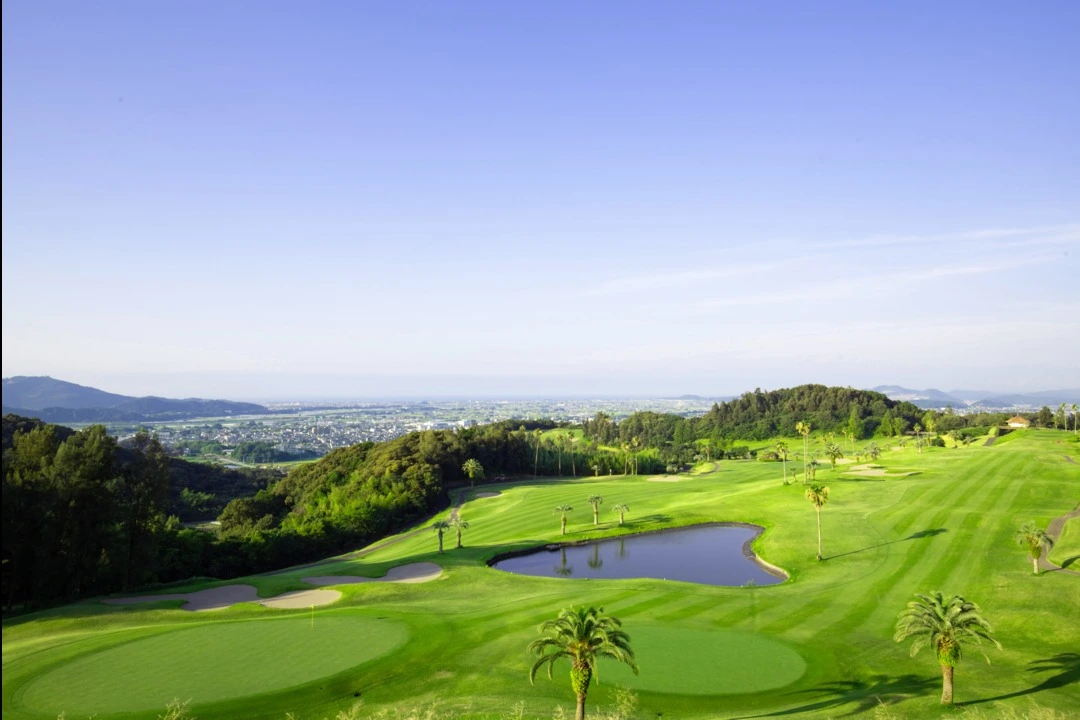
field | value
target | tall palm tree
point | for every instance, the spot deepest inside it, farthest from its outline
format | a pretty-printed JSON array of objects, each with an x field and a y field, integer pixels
[
  {"x": 560, "y": 443},
  {"x": 803, "y": 428},
  {"x": 635, "y": 444},
  {"x": 473, "y": 469},
  {"x": 595, "y": 501},
  {"x": 626, "y": 458},
  {"x": 440, "y": 526},
  {"x": 573, "y": 454},
  {"x": 622, "y": 510},
  {"x": 538, "y": 433},
  {"x": 1064, "y": 419},
  {"x": 818, "y": 495},
  {"x": 583, "y": 636},
  {"x": 1035, "y": 540},
  {"x": 1075, "y": 410},
  {"x": 944, "y": 625},
  {"x": 833, "y": 452},
  {"x": 563, "y": 510},
  {"x": 851, "y": 439},
  {"x": 782, "y": 453},
  {"x": 918, "y": 437},
  {"x": 458, "y": 524},
  {"x": 596, "y": 469}
]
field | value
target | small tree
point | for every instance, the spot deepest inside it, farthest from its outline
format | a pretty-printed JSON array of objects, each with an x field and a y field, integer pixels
[
  {"x": 440, "y": 526},
  {"x": 818, "y": 495},
  {"x": 473, "y": 469},
  {"x": 1034, "y": 540},
  {"x": 596, "y": 469},
  {"x": 563, "y": 510},
  {"x": 595, "y": 501},
  {"x": 782, "y": 453},
  {"x": 583, "y": 636},
  {"x": 873, "y": 451},
  {"x": 945, "y": 625},
  {"x": 622, "y": 510},
  {"x": 459, "y": 525},
  {"x": 833, "y": 452}
]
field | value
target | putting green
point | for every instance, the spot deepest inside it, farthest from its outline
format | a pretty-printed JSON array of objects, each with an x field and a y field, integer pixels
[
  {"x": 695, "y": 662},
  {"x": 211, "y": 662}
]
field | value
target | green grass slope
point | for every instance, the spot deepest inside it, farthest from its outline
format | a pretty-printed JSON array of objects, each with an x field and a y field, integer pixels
[{"x": 818, "y": 645}]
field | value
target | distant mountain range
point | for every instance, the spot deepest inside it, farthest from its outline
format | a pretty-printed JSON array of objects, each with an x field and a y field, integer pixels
[
  {"x": 57, "y": 401},
  {"x": 985, "y": 399}
]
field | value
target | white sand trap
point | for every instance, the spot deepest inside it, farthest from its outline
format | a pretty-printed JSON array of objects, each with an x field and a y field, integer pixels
[
  {"x": 414, "y": 573},
  {"x": 219, "y": 598},
  {"x": 868, "y": 470},
  {"x": 665, "y": 478},
  {"x": 302, "y": 599},
  {"x": 481, "y": 495}
]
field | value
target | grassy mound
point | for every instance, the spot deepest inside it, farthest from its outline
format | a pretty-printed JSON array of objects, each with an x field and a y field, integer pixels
[
  {"x": 211, "y": 662},
  {"x": 701, "y": 662}
]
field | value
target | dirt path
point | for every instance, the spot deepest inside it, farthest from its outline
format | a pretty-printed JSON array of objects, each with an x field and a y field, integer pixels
[
  {"x": 1054, "y": 531},
  {"x": 990, "y": 441}
]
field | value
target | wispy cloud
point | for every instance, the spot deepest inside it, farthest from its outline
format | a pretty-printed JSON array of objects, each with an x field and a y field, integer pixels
[{"x": 1038, "y": 235}]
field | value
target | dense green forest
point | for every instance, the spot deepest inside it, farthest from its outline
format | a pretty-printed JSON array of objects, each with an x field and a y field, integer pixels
[{"x": 83, "y": 515}]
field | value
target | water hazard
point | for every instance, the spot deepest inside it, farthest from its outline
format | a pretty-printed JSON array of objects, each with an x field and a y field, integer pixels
[{"x": 705, "y": 554}]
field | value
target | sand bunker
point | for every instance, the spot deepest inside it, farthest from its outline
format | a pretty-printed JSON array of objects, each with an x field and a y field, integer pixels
[
  {"x": 868, "y": 470},
  {"x": 665, "y": 478},
  {"x": 481, "y": 495},
  {"x": 219, "y": 598},
  {"x": 413, "y": 573}
]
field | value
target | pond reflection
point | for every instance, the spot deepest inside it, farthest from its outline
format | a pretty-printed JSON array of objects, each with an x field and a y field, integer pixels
[{"x": 706, "y": 554}]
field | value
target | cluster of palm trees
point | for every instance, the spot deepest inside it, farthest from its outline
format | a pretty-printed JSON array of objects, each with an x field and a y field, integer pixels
[
  {"x": 1063, "y": 418},
  {"x": 585, "y": 635},
  {"x": 595, "y": 501},
  {"x": 454, "y": 523}
]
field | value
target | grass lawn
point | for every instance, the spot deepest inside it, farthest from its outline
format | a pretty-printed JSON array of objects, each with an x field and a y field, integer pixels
[{"x": 819, "y": 645}]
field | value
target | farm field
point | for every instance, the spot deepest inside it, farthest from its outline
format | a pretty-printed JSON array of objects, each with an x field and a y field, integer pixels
[{"x": 818, "y": 645}]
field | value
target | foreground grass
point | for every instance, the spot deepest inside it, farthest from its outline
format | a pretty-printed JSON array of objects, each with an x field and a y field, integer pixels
[{"x": 950, "y": 526}]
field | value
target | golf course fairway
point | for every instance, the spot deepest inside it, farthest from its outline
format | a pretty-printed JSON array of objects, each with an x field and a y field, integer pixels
[{"x": 818, "y": 645}]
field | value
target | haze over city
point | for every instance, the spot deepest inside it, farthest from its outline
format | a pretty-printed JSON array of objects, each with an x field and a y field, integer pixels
[{"x": 371, "y": 200}]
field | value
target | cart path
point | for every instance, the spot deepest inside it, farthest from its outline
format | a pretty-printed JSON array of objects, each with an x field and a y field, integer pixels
[{"x": 1054, "y": 531}]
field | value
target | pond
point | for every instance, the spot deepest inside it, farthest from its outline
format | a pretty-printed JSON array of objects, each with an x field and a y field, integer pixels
[{"x": 705, "y": 554}]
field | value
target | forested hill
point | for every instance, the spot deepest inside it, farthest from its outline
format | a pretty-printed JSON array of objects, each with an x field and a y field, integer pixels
[{"x": 57, "y": 401}]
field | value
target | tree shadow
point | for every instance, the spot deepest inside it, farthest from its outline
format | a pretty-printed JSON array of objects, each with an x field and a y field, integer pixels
[
  {"x": 1065, "y": 665},
  {"x": 913, "y": 536},
  {"x": 866, "y": 694}
]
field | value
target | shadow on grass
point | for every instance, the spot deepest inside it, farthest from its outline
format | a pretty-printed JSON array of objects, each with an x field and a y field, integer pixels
[
  {"x": 865, "y": 694},
  {"x": 913, "y": 536},
  {"x": 1066, "y": 669}
]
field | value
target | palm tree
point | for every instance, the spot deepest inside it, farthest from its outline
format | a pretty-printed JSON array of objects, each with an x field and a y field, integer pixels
[
  {"x": 583, "y": 636},
  {"x": 1075, "y": 410},
  {"x": 803, "y": 428},
  {"x": 833, "y": 452},
  {"x": 1062, "y": 417},
  {"x": 560, "y": 443},
  {"x": 635, "y": 444},
  {"x": 873, "y": 450},
  {"x": 622, "y": 510},
  {"x": 595, "y": 501},
  {"x": 458, "y": 524},
  {"x": 851, "y": 439},
  {"x": 538, "y": 433},
  {"x": 945, "y": 625},
  {"x": 563, "y": 510},
  {"x": 918, "y": 437},
  {"x": 813, "y": 468},
  {"x": 1032, "y": 537},
  {"x": 626, "y": 458},
  {"x": 782, "y": 453},
  {"x": 473, "y": 469},
  {"x": 440, "y": 526},
  {"x": 596, "y": 469},
  {"x": 818, "y": 495},
  {"x": 573, "y": 455}
]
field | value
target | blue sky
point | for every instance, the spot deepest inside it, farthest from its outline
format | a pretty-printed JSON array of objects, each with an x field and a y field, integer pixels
[{"x": 356, "y": 199}]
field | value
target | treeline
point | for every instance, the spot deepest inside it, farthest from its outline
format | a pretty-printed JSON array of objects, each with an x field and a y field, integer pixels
[
  {"x": 83, "y": 515},
  {"x": 264, "y": 452},
  {"x": 760, "y": 415}
]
